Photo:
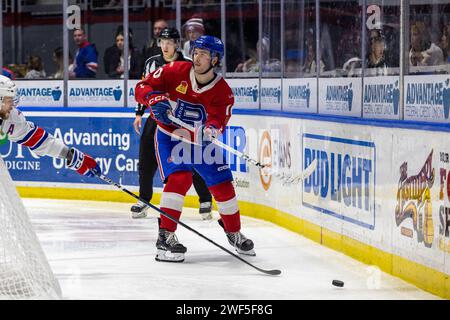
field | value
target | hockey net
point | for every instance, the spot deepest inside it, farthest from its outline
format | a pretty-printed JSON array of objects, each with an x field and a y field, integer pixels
[{"x": 24, "y": 270}]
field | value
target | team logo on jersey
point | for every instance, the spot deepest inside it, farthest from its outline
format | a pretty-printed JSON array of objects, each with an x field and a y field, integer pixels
[
  {"x": 182, "y": 88},
  {"x": 190, "y": 113}
]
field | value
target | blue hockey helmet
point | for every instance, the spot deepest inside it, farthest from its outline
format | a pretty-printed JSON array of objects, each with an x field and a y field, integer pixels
[{"x": 212, "y": 44}]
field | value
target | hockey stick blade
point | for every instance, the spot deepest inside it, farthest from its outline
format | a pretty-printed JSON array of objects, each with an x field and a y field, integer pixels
[
  {"x": 287, "y": 179},
  {"x": 274, "y": 272}
]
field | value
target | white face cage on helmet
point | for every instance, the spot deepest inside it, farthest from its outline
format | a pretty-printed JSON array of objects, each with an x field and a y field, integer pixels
[{"x": 8, "y": 89}]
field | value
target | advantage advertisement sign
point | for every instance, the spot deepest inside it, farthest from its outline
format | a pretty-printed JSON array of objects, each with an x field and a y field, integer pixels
[
  {"x": 427, "y": 98},
  {"x": 381, "y": 98},
  {"x": 340, "y": 96},
  {"x": 300, "y": 95},
  {"x": 98, "y": 93},
  {"x": 246, "y": 93},
  {"x": 271, "y": 94},
  {"x": 40, "y": 93}
]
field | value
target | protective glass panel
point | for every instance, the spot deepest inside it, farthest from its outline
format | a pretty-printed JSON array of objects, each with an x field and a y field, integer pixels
[
  {"x": 341, "y": 61},
  {"x": 242, "y": 32},
  {"x": 33, "y": 34},
  {"x": 300, "y": 39},
  {"x": 198, "y": 18},
  {"x": 242, "y": 36},
  {"x": 429, "y": 28},
  {"x": 340, "y": 38},
  {"x": 382, "y": 35}
]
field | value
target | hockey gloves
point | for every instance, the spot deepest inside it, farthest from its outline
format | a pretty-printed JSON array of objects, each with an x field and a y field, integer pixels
[
  {"x": 160, "y": 106},
  {"x": 83, "y": 163},
  {"x": 204, "y": 134}
]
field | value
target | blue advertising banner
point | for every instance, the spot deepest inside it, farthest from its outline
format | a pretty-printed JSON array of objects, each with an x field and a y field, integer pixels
[{"x": 110, "y": 140}]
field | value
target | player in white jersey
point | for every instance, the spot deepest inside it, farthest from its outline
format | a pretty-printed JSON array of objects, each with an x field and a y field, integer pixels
[{"x": 19, "y": 130}]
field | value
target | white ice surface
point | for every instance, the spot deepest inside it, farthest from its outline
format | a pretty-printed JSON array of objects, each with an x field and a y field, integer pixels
[{"x": 98, "y": 252}]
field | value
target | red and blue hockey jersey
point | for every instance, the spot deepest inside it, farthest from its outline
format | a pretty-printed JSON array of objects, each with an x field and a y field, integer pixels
[{"x": 210, "y": 104}]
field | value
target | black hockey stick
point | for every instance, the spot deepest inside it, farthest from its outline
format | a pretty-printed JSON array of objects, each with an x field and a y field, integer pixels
[{"x": 109, "y": 181}]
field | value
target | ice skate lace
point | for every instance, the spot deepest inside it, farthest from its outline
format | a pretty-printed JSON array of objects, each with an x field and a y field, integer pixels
[
  {"x": 205, "y": 204},
  {"x": 172, "y": 239},
  {"x": 140, "y": 204},
  {"x": 236, "y": 237}
]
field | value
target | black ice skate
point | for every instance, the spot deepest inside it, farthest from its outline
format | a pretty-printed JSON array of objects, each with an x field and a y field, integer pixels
[
  {"x": 205, "y": 210},
  {"x": 168, "y": 247},
  {"x": 239, "y": 242},
  {"x": 139, "y": 210}
]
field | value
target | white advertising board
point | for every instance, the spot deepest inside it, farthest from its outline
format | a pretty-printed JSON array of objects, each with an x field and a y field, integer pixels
[
  {"x": 381, "y": 97},
  {"x": 47, "y": 93},
  {"x": 300, "y": 95},
  {"x": 98, "y": 93},
  {"x": 246, "y": 92},
  {"x": 340, "y": 96},
  {"x": 427, "y": 98},
  {"x": 271, "y": 94}
]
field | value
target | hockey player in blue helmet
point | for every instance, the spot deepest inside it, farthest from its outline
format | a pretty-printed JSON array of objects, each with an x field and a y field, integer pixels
[
  {"x": 195, "y": 94},
  {"x": 213, "y": 45}
]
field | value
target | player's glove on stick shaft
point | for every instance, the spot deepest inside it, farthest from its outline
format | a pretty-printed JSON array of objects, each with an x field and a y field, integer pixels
[
  {"x": 204, "y": 134},
  {"x": 83, "y": 163}
]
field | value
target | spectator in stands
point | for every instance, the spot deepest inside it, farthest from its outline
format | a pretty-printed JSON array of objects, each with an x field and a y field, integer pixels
[
  {"x": 85, "y": 64},
  {"x": 35, "y": 68},
  {"x": 444, "y": 42},
  {"x": 192, "y": 29},
  {"x": 114, "y": 59},
  {"x": 248, "y": 65},
  {"x": 253, "y": 65},
  {"x": 110, "y": 51},
  {"x": 58, "y": 58},
  {"x": 348, "y": 44},
  {"x": 310, "y": 65},
  {"x": 293, "y": 61},
  {"x": 423, "y": 51},
  {"x": 375, "y": 59},
  {"x": 152, "y": 48}
]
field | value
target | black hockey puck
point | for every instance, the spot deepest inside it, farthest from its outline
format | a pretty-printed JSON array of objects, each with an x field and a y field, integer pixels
[{"x": 338, "y": 283}]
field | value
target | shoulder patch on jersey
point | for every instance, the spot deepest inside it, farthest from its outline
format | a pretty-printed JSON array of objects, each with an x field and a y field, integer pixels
[{"x": 182, "y": 87}]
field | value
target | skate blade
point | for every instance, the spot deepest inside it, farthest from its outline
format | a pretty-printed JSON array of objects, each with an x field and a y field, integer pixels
[
  {"x": 167, "y": 256},
  {"x": 247, "y": 253},
  {"x": 206, "y": 216},
  {"x": 140, "y": 215}
]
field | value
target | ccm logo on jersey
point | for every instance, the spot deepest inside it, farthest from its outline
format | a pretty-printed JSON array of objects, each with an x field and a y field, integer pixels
[{"x": 156, "y": 99}]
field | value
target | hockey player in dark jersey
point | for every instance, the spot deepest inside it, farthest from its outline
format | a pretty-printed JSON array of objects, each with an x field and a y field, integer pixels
[
  {"x": 169, "y": 43},
  {"x": 19, "y": 130}
]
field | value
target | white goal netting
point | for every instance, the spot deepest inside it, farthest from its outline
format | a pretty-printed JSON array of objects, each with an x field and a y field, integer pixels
[{"x": 24, "y": 270}]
